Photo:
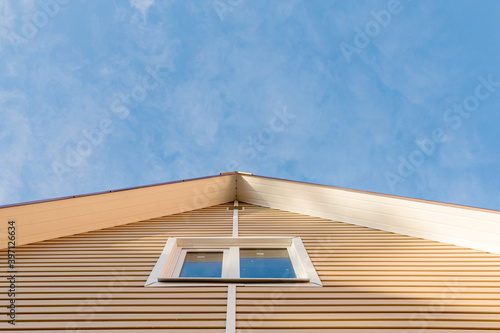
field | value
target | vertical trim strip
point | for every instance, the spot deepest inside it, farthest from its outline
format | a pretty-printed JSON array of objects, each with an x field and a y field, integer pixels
[
  {"x": 235, "y": 219},
  {"x": 231, "y": 289},
  {"x": 231, "y": 309}
]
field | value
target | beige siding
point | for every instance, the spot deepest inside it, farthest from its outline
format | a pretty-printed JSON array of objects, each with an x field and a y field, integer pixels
[
  {"x": 374, "y": 281},
  {"x": 95, "y": 280}
]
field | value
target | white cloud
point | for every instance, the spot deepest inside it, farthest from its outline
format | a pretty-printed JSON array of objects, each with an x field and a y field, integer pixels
[{"x": 142, "y": 6}]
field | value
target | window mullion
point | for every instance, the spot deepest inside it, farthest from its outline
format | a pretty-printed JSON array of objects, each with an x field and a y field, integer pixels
[{"x": 233, "y": 255}]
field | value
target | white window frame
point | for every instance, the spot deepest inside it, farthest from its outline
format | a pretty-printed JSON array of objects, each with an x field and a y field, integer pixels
[
  {"x": 170, "y": 262},
  {"x": 177, "y": 267}
]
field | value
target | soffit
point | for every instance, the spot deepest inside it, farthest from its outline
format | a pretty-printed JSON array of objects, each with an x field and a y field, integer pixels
[{"x": 459, "y": 225}]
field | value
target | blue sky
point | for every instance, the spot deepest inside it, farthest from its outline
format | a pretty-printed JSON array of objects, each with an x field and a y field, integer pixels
[{"x": 398, "y": 97}]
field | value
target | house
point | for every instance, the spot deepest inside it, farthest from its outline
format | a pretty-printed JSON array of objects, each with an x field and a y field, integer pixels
[{"x": 243, "y": 253}]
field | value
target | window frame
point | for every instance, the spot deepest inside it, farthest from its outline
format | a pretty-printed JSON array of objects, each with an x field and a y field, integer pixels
[{"x": 167, "y": 268}]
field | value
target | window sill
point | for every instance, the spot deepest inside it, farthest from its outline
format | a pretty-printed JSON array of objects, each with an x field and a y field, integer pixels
[{"x": 237, "y": 280}]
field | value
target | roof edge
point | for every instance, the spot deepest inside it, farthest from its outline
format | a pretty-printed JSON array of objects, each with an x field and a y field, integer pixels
[
  {"x": 47, "y": 219},
  {"x": 111, "y": 191}
]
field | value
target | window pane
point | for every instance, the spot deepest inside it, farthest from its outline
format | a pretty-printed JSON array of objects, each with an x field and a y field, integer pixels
[
  {"x": 265, "y": 263},
  {"x": 202, "y": 264}
]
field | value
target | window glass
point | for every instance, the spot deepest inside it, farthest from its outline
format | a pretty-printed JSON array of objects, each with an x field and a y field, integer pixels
[
  {"x": 265, "y": 263},
  {"x": 202, "y": 264}
]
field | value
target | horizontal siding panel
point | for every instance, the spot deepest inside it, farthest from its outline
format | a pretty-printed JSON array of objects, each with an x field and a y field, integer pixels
[
  {"x": 368, "y": 316},
  {"x": 129, "y": 308},
  {"x": 365, "y": 308},
  {"x": 113, "y": 324},
  {"x": 456, "y": 325},
  {"x": 118, "y": 290},
  {"x": 382, "y": 292},
  {"x": 124, "y": 317},
  {"x": 152, "y": 330},
  {"x": 95, "y": 301},
  {"x": 415, "y": 329},
  {"x": 318, "y": 304}
]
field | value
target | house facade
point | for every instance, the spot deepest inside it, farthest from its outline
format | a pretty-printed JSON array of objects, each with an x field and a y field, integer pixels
[{"x": 114, "y": 261}]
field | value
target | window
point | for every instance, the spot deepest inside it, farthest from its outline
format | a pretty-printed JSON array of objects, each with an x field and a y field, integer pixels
[
  {"x": 202, "y": 264},
  {"x": 265, "y": 263},
  {"x": 241, "y": 260}
]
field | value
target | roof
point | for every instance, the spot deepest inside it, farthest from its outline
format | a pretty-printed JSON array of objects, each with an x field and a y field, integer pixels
[{"x": 454, "y": 224}]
